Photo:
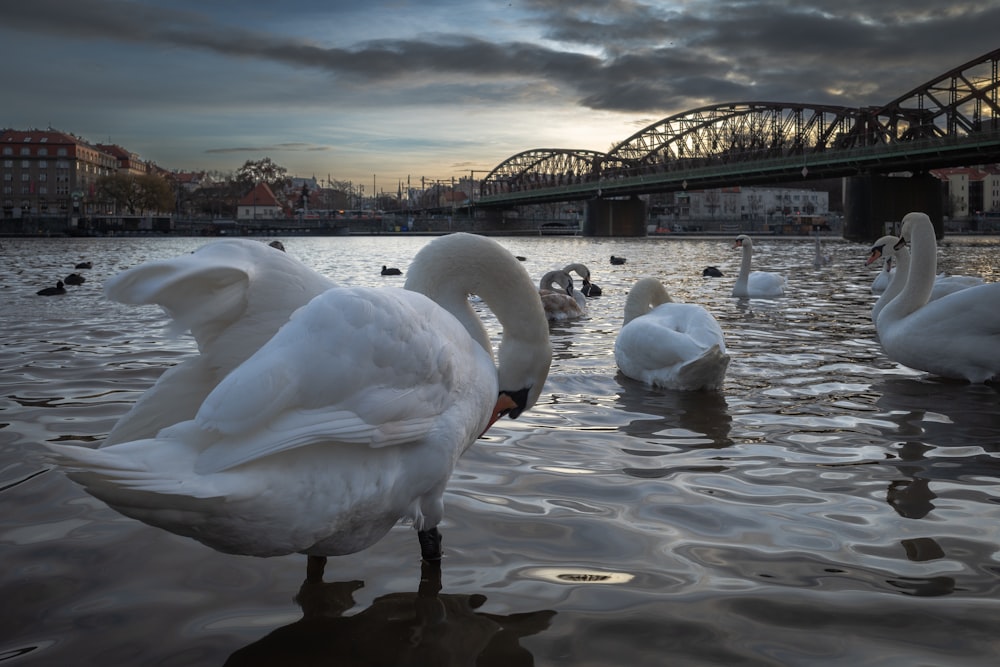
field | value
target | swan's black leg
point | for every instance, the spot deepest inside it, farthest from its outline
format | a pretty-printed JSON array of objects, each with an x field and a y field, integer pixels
[{"x": 430, "y": 544}]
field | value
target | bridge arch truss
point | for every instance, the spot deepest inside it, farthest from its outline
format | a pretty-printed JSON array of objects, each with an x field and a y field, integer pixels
[{"x": 758, "y": 141}]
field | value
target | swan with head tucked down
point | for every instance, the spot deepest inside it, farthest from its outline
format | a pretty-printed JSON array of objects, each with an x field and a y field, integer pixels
[
  {"x": 588, "y": 288},
  {"x": 559, "y": 300},
  {"x": 338, "y": 422},
  {"x": 956, "y": 336},
  {"x": 755, "y": 284},
  {"x": 667, "y": 344},
  {"x": 899, "y": 258}
]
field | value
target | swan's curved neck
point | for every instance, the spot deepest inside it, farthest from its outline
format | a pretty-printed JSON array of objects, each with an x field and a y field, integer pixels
[
  {"x": 646, "y": 294},
  {"x": 923, "y": 266},
  {"x": 452, "y": 267},
  {"x": 747, "y": 257},
  {"x": 897, "y": 280}
]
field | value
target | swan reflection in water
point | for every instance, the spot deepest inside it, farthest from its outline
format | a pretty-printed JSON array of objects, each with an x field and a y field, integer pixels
[
  {"x": 926, "y": 412},
  {"x": 422, "y": 628},
  {"x": 688, "y": 419}
]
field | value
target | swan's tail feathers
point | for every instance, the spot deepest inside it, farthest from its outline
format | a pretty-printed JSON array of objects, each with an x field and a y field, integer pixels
[
  {"x": 127, "y": 485},
  {"x": 706, "y": 372}
]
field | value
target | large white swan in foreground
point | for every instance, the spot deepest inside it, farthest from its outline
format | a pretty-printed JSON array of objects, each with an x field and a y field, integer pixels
[
  {"x": 755, "y": 284},
  {"x": 956, "y": 336},
  {"x": 348, "y": 419},
  {"x": 668, "y": 344},
  {"x": 559, "y": 300},
  {"x": 899, "y": 259}
]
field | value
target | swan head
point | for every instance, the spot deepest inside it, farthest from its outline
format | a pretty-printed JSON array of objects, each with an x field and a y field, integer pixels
[
  {"x": 884, "y": 247},
  {"x": 743, "y": 240},
  {"x": 910, "y": 221}
]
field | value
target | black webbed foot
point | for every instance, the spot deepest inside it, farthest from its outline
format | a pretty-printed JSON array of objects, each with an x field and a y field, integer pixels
[{"x": 430, "y": 544}]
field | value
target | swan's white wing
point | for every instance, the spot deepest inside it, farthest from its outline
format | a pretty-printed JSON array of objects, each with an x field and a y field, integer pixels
[
  {"x": 955, "y": 336},
  {"x": 233, "y": 295},
  {"x": 945, "y": 285},
  {"x": 356, "y": 365},
  {"x": 672, "y": 333},
  {"x": 225, "y": 283},
  {"x": 766, "y": 283}
]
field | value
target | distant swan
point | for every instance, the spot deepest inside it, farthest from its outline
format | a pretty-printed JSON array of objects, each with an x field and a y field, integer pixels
[
  {"x": 563, "y": 302},
  {"x": 820, "y": 259},
  {"x": 884, "y": 277},
  {"x": 588, "y": 288},
  {"x": 326, "y": 433},
  {"x": 956, "y": 336},
  {"x": 667, "y": 344},
  {"x": 755, "y": 284},
  {"x": 52, "y": 291}
]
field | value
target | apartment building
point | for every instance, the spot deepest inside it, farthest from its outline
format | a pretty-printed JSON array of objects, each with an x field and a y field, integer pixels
[{"x": 49, "y": 174}]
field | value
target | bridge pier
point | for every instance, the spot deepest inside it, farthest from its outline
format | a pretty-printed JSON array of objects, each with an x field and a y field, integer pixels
[
  {"x": 615, "y": 217},
  {"x": 872, "y": 200}
]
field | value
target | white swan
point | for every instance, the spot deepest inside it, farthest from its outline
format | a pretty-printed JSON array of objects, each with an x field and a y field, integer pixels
[
  {"x": 667, "y": 344},
  {"x": 588, "y": 288},
  {"x": 755, "y": 284},
  {"x": 956, "y": 336},
  {"x": 881, "y": 282},
  {"x": 348, "y": 419},
  {"x": 820, "y": 259},
  {"x": 563, "y": 302},
  {"x": 899, "y": 259}
]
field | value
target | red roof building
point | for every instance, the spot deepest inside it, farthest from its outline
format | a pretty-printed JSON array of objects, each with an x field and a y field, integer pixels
[{"x": 259, "y": 204}]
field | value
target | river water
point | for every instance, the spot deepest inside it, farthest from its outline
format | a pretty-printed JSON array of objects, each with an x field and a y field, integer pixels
[{"x": 828, "y": 507}]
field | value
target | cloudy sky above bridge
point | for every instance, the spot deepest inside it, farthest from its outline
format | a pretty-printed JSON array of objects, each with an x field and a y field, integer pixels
[{"x": 390, "y": 89}]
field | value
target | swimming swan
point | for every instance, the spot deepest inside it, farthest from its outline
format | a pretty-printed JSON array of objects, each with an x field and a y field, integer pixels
[
  {"x": 820, "y": 259},
  {"x": 588, "y": 288},
  {"x": 348, "y": 419},
  {"x": 899, "y": 259},
  {"x": 755, "y": 284},
  {"x": 667, "y": 344},
  {"x": 562, "y": 303},
  {"x": 956, "y": 336}
]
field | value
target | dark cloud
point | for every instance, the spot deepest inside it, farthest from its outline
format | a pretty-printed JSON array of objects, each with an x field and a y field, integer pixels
[
  {"x": 652, "y": 59},
  {"x": 284, "y": 147},
  {"x": 626, "y": 55}
]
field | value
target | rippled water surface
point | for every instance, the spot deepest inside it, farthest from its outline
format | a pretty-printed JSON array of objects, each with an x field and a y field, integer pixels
[{"x": 828, "y": 507}]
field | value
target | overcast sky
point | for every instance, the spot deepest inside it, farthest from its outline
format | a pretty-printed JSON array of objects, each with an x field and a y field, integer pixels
[{"x": 392, "y": 89}]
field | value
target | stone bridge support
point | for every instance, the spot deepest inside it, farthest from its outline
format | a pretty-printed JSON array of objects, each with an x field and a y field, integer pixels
[
  {"x": 615, "y": 217},
  {"x": 871, "y": 201}
]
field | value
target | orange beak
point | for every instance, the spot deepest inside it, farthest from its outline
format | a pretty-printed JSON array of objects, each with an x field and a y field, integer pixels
[{"x": 504, "y": 404}]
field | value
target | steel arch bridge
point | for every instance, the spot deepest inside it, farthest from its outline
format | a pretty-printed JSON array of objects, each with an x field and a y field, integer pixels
[{"x": 951, "y": 120}]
